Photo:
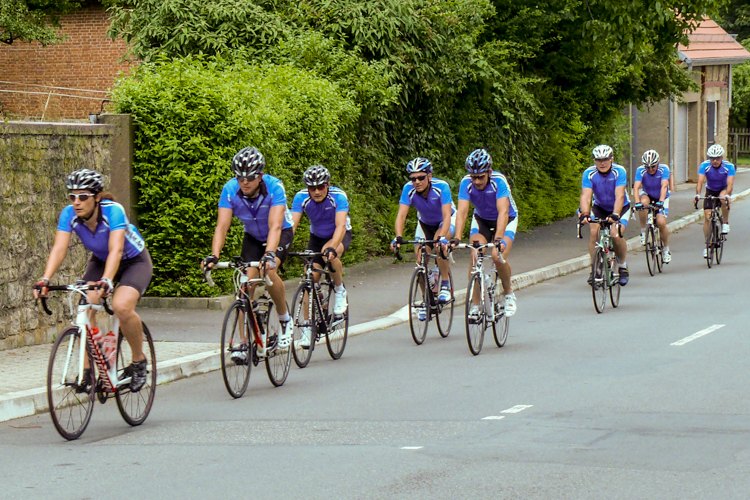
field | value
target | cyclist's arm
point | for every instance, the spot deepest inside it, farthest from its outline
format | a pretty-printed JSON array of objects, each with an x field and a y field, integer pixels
[
  {"x": 275, "y": 221},
  {"x": 338, "y": 234},
  {"x": 445, "y": 229},
  {"x": 223, "y": 222},
  {"x": 664, "y": 190},
  {"x": 116, "y": 247},
  {"x": 57, "y": 254},
  {"x": 296, "y": 217},
  {"x": 619, "y": 199},
  {"x": 730, "y": 185},
  {"x": 637, "y": 191},
  {"x": 699, "y": 185},
  {"x": 503, "y": 206},
  {"x": 585, "y": 201},
  {"x": 461, "y": 214},
  {"x": 403, "y": 211}
]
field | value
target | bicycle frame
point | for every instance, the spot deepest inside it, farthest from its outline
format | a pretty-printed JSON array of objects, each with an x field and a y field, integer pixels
[
  {"x": 423, "y": 262},
  {"x": 314, "y": 301},
  {"x": 478, "y": 268}
]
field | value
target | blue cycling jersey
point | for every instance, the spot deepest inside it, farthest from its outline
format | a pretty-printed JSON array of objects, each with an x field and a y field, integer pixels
[
  {"x": 716, "y": 178},
  {"x": 604, "y": 185},
  {"x": 430, "y": 208},
  {"x": 111, "y": 218},
  {"x": 323, "y": 215},
  {"x": 651, "y": 183},
  {"x": 485, "y": 200},
  {"x": 254, "y": 212}
]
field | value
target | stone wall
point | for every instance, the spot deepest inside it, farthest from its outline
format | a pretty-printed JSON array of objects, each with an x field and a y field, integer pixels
[{"x": 35, "y": 159}]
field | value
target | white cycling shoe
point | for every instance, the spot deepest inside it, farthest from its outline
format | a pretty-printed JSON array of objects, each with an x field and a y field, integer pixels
[
  {"x": 725, "y": 229},
  {"x": 304, "y": 337},
  {"x": 643, "y": 238},
  {"x": 666, "y": 256},
  {"x": 510, "y": 305},
  {"x": 285, "y": 336},
  {"x": 341, "y": 303}
]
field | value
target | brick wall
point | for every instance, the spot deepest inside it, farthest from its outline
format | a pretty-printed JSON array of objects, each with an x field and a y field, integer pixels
[{"x": 87, "y": 59}]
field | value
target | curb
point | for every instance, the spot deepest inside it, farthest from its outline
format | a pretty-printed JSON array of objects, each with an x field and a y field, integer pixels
[{"x": 25, "y": 403}]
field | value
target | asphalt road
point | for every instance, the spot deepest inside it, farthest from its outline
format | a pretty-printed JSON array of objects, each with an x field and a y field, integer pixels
[{"x": 580, "y": 405}]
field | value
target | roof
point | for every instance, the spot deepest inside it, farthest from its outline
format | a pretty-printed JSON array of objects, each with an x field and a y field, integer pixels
[{"x": 711, "y": 45}]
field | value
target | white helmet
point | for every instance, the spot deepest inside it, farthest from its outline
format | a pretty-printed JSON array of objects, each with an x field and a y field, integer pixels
[
  {"x": 650, "y": 158},
  {"x": 715, "y": 151},
  {"x": 603, "y": 152}
]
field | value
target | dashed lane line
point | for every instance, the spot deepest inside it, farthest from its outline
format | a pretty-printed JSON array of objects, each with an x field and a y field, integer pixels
[
  {"x": 697, "y": 335},
  {"x": 516, "y": 409}
]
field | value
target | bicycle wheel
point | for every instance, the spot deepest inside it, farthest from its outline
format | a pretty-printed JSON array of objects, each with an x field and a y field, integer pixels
[
  {"x": 659, "y": 250},
  {"x": 500, "y": 330},
  {"x": 70, "y": 404},
  {"x": 614, "y": 287},
  {"x": 419, "y": 303},
  {"x": 710, "y": 247},
  {"x": 278, "y": 360},
  {"x": 337, "y": 330},
  {"x": 445, "y": 312},
  {"x": 235, "y": 341},
  {"x": 475, "y": 323},
  {"x": 719, "y": 238},
  {"x": 651, "y": 251},
  {"x": 135, "y": 406},
  {"x": 301, "y": 354},
  {"x": 599, "y": 284}
]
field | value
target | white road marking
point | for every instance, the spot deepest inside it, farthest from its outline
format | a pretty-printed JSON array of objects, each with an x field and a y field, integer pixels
[
  {"x": 516, "y": 409},
  {"x": 412, "y": 447},
  {"x": 494, "y": 417},
  {"x": 697, "y": 335}
]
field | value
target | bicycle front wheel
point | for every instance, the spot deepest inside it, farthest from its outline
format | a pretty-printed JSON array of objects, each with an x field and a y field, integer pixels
[
  {"x": 338, "y": 327},
  {"x": 599, "y": 283},
  {"x": 651, "y": 250},
  {"x": 419, "y": 305},
  {"x": 659, "y": 250},
  {"x": 302, "y": 354},
  {"x": 719, "y": 252},
  {"x": 135, "y": 406},
  {"x": 710, "y": 247},
  {"x": 279, "y": 359},
  {"x": 235, "y": 350},
  {"x": 476, "y": 319},
  {"x": 445, "y": 312},
  {"x": 70, "y": 403},
  {"x": 500, "y": 330}
]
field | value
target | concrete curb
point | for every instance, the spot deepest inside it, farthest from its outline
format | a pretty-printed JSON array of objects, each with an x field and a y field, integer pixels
[{"x": 24, "y": 403}]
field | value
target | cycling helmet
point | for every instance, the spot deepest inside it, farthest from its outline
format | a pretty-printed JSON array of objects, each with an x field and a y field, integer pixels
[
  {"x": 248, "y": 162},
  {"x": 603, "y": 152},
  {"x": 479, "y": 161},
  {"x": 85, "y": 179},
  {"x": 419, "y": 164},
  {"x": 316, "y": 175},
  {"x": 650, "y": 158},
  {"x": 715, "y": 151}
]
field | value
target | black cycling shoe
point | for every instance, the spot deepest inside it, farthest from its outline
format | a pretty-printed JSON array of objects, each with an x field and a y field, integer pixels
[
  {"x": 138, "y": 373},
  {"x": 624, "y": 275},
  {"x": 590, "y": 281},
  {"x": 85, "y": 386}
]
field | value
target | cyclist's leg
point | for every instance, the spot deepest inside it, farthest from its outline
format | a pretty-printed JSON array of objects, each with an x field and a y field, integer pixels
[
  {"x": 444, "y": 264},
  {"x": 134, "y": 276},
  {"x": 708, "y": 205},
  {"x": 661, "y": 221},
  {"x": 724, "y": 211},
  {"x": 480, "y": 232},
  {"x": 599, "y": 213},
  {"x": 94, "y": 272},
  {"x": 277, "y": 290},
  {"x": 643, "y": 215},
  {"x": 338, "y": 268},
  {"x": 618, "y": 240},
  {"x": 504, "y": 270}
]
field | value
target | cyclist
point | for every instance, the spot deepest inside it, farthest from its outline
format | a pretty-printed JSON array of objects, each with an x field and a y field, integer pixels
[
  {"x": 652, "y": 187},
  {"x": 718, "y": 174},
  {"x": 259, "y": 201},
  {"x": 605, "y": 184},
  {"x": 495, "y": 217},
  {"x": 118, "y": 255},
  {"x": 435, "y": 217},
  {"x": 327, "y": 207}
]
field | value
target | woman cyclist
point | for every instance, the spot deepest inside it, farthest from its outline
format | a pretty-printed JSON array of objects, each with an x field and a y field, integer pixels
[{"x": 118, "y": 254}]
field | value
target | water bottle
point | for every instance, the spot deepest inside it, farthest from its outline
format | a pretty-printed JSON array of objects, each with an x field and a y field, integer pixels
[
  {"x": 650, "y": 219},
  {"x": 109, "y": 349},
  {"x": 489, "y": 287},
  {"x": 322, "y": 299},
  {"x": 434, "y": 278}
]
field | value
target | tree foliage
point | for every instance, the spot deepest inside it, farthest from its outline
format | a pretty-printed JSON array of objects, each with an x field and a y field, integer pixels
[{"x": 33, "y": 20}]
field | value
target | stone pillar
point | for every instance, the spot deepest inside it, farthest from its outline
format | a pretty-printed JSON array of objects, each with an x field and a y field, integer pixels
[{"x": 122, "y": 184}]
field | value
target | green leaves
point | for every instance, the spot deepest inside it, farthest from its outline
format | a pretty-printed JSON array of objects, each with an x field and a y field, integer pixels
[{"x": 33, "y": 20}]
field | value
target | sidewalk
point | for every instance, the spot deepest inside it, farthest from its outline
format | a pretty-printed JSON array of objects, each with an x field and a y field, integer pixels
[{"x": 186, "y": 339}]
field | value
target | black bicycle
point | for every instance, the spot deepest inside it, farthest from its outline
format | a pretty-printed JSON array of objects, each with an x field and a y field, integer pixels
[
  {"x": 715, "y": 238},
  {"x": 654, "y": 246},
  {"x": 423, "y": 294},
  {"x": 605, "y": 273},
  {"x": 312, "y": 313}
]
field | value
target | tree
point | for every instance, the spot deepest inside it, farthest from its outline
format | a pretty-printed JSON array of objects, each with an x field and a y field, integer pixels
[
  {"x": 734, "y": 17},
  {"x": 33, "y": 20}
]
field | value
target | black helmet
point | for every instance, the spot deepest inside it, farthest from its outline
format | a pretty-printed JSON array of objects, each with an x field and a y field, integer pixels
[
  {"x": 248, "y": 162},
  {"x": 316, "y": 175},
  {"x": 84, "y": 178}
]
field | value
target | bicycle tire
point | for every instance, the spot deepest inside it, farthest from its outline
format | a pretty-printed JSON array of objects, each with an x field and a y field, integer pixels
[
  {"x": 337, "y": 330},
  {"x": 501, "y": 325},
  {"x": 599, "y": 284},
  {"x": 236, "y": 375},
  {"x": 301, "y": 354},
  {"x": 70, "y": 410},
  {"x": 135, "y": 406},
  {"x": 419, "y": 298},
  {"x": 659, "y": 250},
  {"x": 279, "y": 360},
  {"x": 445, "y": 311},
  {"x": 719, "y": 251},
  {"x": 614, "y": 293},
  {"x": 651, "y": 251},
  {"x": 475, "y": 327},
  {"x": 710, "y": 247}
]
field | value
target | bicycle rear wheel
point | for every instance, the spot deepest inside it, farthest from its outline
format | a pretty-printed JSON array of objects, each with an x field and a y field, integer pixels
[
  {"x": 419, "y": 302},
  {"x": 710, "y": 247},
  {"x": 599, "y": 283},
  {"x": 614, "y": 287},
  {"x": 476, "y": 322},
  {"x": 651, "y": 251},
  {"x": 235, "y": 341},
  {"x": 135, "y": 406},
  {"x": 445, "y": 312},
  {"x": 719, "y": 238},
  {"x": 659, "y": 250},
  {"x": 338, "y": 326},
  {"x": 301, "y": 354},
  {"x": 500, "y": 330},
  {"x": 70, "y": 404},
  {"x": 279, "y": 359}
]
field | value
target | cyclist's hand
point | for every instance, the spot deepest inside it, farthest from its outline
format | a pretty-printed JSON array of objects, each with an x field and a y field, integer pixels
[
  {"x": 268, "y": 261},
  {"x": 40, "y": 288},
  {"x": 499, "y": 244},
  {"x": 209, "y": 262},
  {"x": 613, "y": 217},
  {"x": 728, "y": 200},
  {"x": 695, "y": 200},
  {"x": 454, "y": 242},
  {"x": 639, "y": 206},
  {"x": 396, "y": 243},
  {"x": 327, "y": 253},
  {"x": 105, "y": 287},
  {"x": 584, "y": 219}
]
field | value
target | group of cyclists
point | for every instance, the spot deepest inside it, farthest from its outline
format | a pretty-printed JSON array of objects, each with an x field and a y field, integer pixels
[{"x": 259, "y": 201}]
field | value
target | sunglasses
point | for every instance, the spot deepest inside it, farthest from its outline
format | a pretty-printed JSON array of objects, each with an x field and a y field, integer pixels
[
  {"x": 248, "y": 178},
  {"x": 477, "y": 176},
  {"x": 418, "y": 178},
  {"x": 320, "y": 187},
  {"x": 80, "y": 196}
]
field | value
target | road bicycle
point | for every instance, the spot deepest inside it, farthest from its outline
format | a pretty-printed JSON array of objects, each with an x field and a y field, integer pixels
[
  {"x": 312, "y": 309},
  {"x": 654, "y": 245},
  {"x": 90, "y": 361},
  {"x": 250, "y": 331},
  {"x": 605, "y": 275},
  {"x": 483, "y": 293},
  {"x": 715, "y": 238},
  {"x": 423, "y": 294}
]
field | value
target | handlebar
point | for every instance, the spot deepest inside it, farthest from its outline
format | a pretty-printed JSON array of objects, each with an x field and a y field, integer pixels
[
  {"x": 725, "y": 198},
  {"x": 650, "y": 206},
  {"x": 77, "y": 287},
  {"x": 602, "y": 223},
  {"x": 309, "y": 255},
  {"x": 476, "y": 246},
  {"x": 421, "y": 242},
  {"x": 237, "y": 264}
]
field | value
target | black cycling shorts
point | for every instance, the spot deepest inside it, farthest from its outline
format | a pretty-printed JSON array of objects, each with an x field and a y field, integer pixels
[
  {"x": 315, "y": 244},
  {"x": 135, "y": 272},
  {"x": 601, "y": 213},
  {"x": 710, "y": 204},
  {"x": 253, "y": 250}
]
